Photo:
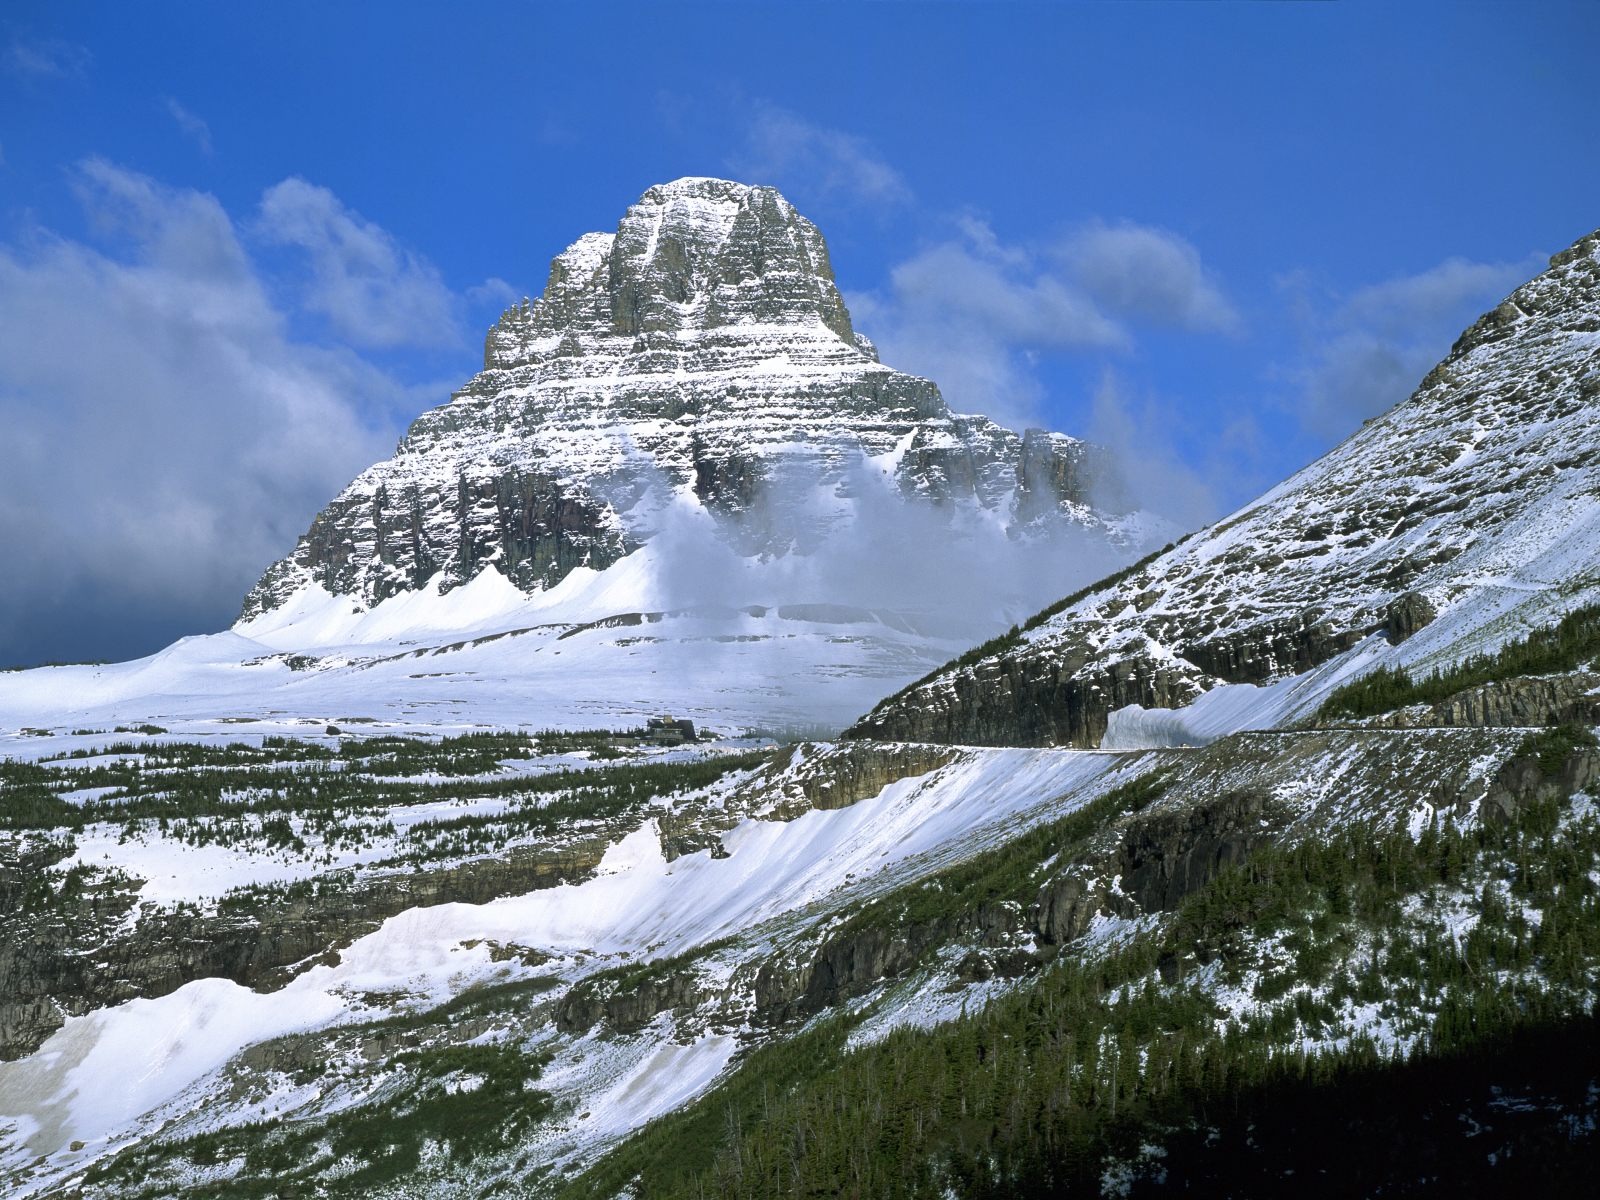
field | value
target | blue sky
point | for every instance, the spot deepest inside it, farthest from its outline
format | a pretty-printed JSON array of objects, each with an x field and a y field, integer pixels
[{"x": 242, "y": 245}]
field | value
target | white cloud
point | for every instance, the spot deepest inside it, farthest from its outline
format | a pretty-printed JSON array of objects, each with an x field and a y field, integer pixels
[
  {"x": 1398, "y": 307},
  {"x": 492, "y": 291},
  {"x": 1150, "y": 274},
  {"x": 1369, "y": 349},
  {"x": 1002, "y": 297},
  {"x": 784, "y": 149},
  {"x": 374, "y": 291},
  {"x": 975, "y": 313},
  {"x": 971, "y": 314},
  {"x": 957, "y": 569},
  {"x": 191, "y": 126},
  {"x": 45, "y": 58},
  {"x": 166, "y": 437},
  {"x": 174, "y": 232}
]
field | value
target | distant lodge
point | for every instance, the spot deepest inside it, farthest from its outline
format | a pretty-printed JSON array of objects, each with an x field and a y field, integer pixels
[{"x": 665, "y": 731}]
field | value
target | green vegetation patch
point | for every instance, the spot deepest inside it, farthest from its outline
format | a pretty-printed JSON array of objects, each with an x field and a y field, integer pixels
[
  {"x": 282, "y": 792},
  {"x": 1572, "y": 643},
  {"x": 1090, "y": 1062}
]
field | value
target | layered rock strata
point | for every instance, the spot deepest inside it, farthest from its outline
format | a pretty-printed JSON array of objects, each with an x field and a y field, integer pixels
[{"x": 701, "y": 350}]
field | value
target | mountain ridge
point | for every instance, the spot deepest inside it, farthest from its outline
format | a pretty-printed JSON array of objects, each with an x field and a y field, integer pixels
[
  {"x": 1484, "y": 494},
  {"x": 571, "y": 963}
]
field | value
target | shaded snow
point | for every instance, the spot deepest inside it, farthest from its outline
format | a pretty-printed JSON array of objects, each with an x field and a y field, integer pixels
[{"x": 485, "y": 655}]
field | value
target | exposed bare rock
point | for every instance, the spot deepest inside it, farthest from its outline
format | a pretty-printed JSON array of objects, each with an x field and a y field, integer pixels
[
  {"x": 1524, "y": 702},
  {"x": 703, "y": 346}
]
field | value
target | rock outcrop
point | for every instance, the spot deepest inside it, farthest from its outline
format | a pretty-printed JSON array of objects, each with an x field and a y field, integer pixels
[
  {"x": 702, "y": 349},
  {"x": 1524, "y": 702},
  {"x": 1524, "y": 781}
]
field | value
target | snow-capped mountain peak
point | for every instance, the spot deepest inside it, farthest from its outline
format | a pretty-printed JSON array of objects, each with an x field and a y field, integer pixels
[{"x": 703, "y": 350}]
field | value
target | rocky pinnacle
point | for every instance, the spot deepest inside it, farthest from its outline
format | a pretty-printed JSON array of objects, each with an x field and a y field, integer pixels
[{"x": 703, "y": 348}]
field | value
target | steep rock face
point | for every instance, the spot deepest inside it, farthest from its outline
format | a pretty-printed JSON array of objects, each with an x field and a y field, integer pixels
[
  {"x": 1444, "y": 525},
  {"x": 1220, "y": 804},
  {"x": 702, "y": 347},
  {"x": 626, "y": 1005},
  {"x": 805, "y": 777},
  {"x": 1516, "y": 703},
  {"x": 1523, "y": 781}
]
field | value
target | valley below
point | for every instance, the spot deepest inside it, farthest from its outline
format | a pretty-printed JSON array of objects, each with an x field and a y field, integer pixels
[{"x": 576, "y": 964}]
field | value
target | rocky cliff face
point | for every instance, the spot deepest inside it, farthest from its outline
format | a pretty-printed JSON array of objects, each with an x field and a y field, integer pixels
[
  {"x": 1524, "y": 702},
  {"x": 106, "y": 949},
  {"x": 1442, "y": 526},
  {"x": 702, "y": 348}
]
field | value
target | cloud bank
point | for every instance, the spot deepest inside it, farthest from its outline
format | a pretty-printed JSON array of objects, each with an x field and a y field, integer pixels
[
  {"x": 1147, "y": 274},
  {"x": 167, "y": 435},
  {"x": 814, "y": 535},
  {"x": 975, "y": 313},
  {"x": 374, "y": 291}
]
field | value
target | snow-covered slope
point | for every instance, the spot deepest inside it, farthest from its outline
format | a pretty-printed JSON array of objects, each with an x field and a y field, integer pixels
[
  {"x": 680, "y": 626},
  {"x": 477, "y": 658},
  {"x": 1458, "y": 520},
  {"x": 120, "y": 1074},
  {"x": 628, "y": 938}
]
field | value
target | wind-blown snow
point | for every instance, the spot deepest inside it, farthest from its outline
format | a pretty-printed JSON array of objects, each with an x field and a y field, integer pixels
[
  {"x": 669, "y": 1077},
  {"x": 1235, "y": 707},
  {"x": 486, "y": 655}
]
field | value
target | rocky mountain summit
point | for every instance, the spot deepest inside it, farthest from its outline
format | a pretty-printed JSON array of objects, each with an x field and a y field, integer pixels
[
  {"x": 702, "y": 350},
  {"x": 1456, "y": 521}
]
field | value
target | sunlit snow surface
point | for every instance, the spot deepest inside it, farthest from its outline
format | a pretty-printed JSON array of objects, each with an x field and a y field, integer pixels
[{"x": 599, "y": 650}]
